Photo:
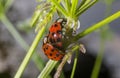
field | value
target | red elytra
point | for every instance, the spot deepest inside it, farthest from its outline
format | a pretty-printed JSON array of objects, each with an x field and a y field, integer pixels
[
  {"x": 51, "y": 52},
  {"x": 52, "y": 44}
]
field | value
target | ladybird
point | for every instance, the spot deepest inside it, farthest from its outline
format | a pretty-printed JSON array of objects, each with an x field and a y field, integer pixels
[
  {"x": 52, "y": 43},
  {"x": 56, "y": 35},
  {"x": 51, "y": 52}
]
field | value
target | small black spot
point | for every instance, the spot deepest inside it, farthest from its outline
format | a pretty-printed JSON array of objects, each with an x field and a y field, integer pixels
[
  {"x": 52, "y": 50},
  {"x": 55, "y": 25},
  {"x": 57, "y": 55},
  {"x": 50, "y": 54},
  {"x": 46, "y": 48},
  {"x": 53, "y": 34}
]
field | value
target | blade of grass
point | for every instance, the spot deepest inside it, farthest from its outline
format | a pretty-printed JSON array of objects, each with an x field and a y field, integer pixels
[{"x": 29, "y": 53}]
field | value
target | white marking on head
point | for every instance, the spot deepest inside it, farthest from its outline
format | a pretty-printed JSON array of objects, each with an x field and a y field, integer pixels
[
  {"x": 45, "y": 40},
  {"x": 60, "y": 20}
]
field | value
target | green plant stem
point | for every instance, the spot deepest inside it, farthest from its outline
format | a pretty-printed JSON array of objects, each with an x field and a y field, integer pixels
[
  {"x": 73, "y": 7},
  {"x": 30, "y": 53},
  {"x": 48, "y": 68},
  {"x": 13, "y": 31},
  {"x": 74, "y": 66},
  {"x": 67, "y": 2},
  {"x": 59, "y": 7},
  {"x": 98, "y": 25},
  {"x": 40, "y": 64},
  {"x": 104, "y": 36},
  {"x": 98, "y": 62},
  {"x": 85, "y": 7},
  {"x": 81, "y": 4}
]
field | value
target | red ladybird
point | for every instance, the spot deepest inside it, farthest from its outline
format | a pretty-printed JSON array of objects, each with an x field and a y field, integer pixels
[
  {"x": 52, "y": 44},
  {"x": 56, "y": 35},
  {"x": 51, "y": 52}
]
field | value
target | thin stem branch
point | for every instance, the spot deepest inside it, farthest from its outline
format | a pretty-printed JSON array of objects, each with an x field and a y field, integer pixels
[
  {"x": 47, "y": 69},
  {"x": 59, "y": 7},
  {"x": 73, "y": 8},
  {"x": 30, "y": 53},
  {"x": 103, "y": 37},
  {"x": 99, "y": 58},
  {"x": 98, "y": 25},
  {"x": 85, "y": 7},
  {"x": 81, "y": 4},
  {"x": 13, "y": 31},
  {"x": 67, "y": 2},
  {"x": 75, "y": 64}
]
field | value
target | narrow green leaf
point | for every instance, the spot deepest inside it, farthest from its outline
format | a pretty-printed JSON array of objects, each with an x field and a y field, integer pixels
[
  {"x": 35, "y": 17},
  {"x": 98, "y": 25},
  {"x": 68, "y": 5},
  {"x": 73, "y": 7},
  {"x": 29, "y": 53},
  {"x": 98, "y": 61},
  {"x": 59, "y": 7},
  {"x": 74, "y": 66},
  {"x": 48, "y": 68},
  {"x": 87, "y": 6},
  {"x": 81, "y": 4}
]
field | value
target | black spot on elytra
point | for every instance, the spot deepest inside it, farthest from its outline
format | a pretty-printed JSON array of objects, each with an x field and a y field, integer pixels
[
  {"x": 46, "y": 47},
  {"x": 57, "y": 55},
  {"x": 55, "y": 25},
  {"x": 52, "y": 50},
  {"x": 50, "y": 54},
  {"x": 53, "y": 34}
]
